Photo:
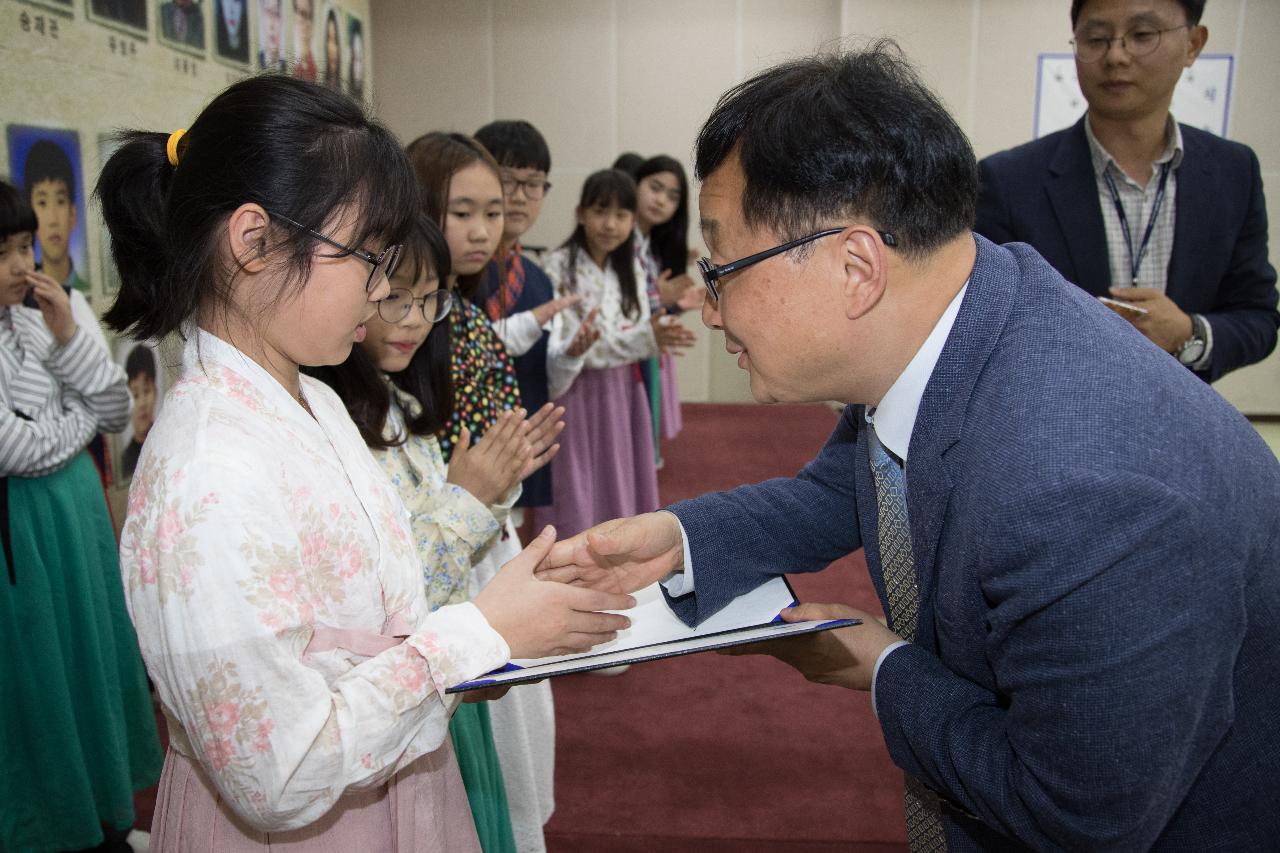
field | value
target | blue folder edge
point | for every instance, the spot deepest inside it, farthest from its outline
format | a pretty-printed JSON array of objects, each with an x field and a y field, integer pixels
[{"x": 586, "y": 664}]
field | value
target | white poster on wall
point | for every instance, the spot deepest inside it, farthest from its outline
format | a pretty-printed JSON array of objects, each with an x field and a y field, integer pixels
[{"x": 1202, "y": 98}]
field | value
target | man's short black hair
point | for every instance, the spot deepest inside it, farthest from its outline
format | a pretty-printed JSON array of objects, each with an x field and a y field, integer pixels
[
  {"x": 1193, "y": 9},
  {"x": 46, "y": 161},
  {"x": 516, "y": 145},
  {"x": 835, "y": 136}
]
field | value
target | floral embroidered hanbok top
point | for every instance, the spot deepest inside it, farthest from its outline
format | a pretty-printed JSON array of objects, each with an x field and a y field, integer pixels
[
  {"x": 450, "y": 528},
  {"x": 270, "y": 574},
  {"x": 623, "y": 339}
]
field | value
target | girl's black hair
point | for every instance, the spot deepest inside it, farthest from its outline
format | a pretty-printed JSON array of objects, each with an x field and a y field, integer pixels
[
  {"x": 629, "y": 162},
  {"x": 670, "y": 240},
  {"x": 298, "y": 149},
  {"x": 358, "y": 380},
  {"x": 436, "y": 157},
  {"x": 16, "y": 215},
  {"x": 609, "y": 188}
]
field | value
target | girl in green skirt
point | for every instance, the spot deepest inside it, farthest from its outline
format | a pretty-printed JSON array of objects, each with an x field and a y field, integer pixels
[{"x": 77, "y": 732}]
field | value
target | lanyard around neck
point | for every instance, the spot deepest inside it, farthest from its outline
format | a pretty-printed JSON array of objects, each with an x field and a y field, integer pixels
[{"x": 1135, "y": 261}]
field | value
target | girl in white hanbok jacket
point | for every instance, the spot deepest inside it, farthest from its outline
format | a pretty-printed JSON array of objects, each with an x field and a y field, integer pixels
[{"x": 267, "y": 559}]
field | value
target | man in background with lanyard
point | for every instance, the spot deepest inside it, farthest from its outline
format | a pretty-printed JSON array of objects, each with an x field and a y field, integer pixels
[{"x": 1166, "y": 222}]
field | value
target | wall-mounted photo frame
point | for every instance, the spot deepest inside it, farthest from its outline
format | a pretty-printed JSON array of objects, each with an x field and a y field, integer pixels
[
  {"x": 231, "y": 32},
  {"x": 273, "y": 51},
  {"x": 63, "y": 8},
  {"x": 302, "y": 28},
  {"x": 129, "y": 16},
  {"x": 46, "y": 165},
  {"x": 357, "y": 59},
  {"x": 181, "y": 25},
  {"x": 147, "y": 379},
  {"x": 331, "y": 47},
  {"x": 108, "y": 275}
]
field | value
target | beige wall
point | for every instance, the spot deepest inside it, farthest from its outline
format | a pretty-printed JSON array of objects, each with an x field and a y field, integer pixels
[
  {"x": 94, "y": 78},
  {"x": 602, "y": 76}
]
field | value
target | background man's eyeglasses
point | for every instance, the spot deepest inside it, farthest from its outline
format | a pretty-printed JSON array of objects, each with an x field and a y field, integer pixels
[
  {"x": 1136, "y": 42},
  {"x": 712, "y": 273},
  {"x": 533, "y": 189},
  {"x": 435, "y": 305},
  {"x": 383, "y": 263}
]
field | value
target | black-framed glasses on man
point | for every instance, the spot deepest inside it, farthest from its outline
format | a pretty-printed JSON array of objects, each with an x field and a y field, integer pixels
[
  {"x": 534, "y": 188},
  {"x": 712, "y": 273},
  {"x": 384, "y": 262},
  {"x": 435, "y": 305},
  {"x": 1138, "y": 41}
]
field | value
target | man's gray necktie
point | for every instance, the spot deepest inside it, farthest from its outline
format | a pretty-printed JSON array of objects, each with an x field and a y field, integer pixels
[{"x": 924, "y": 820}]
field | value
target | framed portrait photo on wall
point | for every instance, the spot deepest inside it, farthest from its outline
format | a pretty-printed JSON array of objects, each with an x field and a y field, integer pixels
[
  {"x": 127, "y": 15},
  {"x": 182, "y": 25},
  {"x": 231, "y": 32},
  {"x": 45, "y": 164}
]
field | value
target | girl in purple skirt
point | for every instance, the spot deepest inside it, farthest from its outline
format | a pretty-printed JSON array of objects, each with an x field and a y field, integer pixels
[{"x": 605, "y": 468}]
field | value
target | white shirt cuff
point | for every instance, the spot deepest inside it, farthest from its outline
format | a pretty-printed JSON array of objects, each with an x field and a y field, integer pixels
[
  {"x": 680, "y": 583},
  {"x": 876, "y": 672}
]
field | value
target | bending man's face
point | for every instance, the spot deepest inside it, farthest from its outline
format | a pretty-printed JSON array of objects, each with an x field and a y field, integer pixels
[{"x": 56, "y": 218}]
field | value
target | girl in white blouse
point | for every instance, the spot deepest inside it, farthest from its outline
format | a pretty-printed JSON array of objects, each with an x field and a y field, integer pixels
[
  {"x": 605, "y": 468},
  {"x": 268, "y": 561},
  {"x": 78, "y": 730}
]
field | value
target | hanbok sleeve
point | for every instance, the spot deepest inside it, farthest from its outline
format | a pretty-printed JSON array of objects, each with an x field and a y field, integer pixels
[
  {"x": 448, "y": 524},
  {"x": 562, "y": 368},
  {"x": 222, "y": 582},
  {"x": 84, "y": 368},
  {"x": 624, "y": 340},
  {"x": 34, "y": 448},
  {"x": 519, "y": 332}
]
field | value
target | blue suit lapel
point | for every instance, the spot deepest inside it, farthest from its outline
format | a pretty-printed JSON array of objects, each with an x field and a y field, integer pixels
[
  {"x": 943, "y": 407},
  {"x": 1073, "y": 194},
  {"x": 1196, "y": 191}
]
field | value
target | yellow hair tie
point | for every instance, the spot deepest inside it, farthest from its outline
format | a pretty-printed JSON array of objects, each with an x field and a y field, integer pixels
[{"x": 171, "y": 147}]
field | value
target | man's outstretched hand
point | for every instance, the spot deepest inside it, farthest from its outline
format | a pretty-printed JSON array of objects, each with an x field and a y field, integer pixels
[{"x": 622, "y": 555}]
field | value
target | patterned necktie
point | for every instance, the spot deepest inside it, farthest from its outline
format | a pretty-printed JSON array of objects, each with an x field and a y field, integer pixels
[{"x": 924, "y": 820}]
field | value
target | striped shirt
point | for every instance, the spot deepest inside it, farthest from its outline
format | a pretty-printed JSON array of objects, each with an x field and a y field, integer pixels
[
  {"x": 53, "y": 399},
  {"x": 1138, "y": 201}
]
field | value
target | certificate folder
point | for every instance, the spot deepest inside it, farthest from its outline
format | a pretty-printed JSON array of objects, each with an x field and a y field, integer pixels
[{"x": 656, "y": 633}]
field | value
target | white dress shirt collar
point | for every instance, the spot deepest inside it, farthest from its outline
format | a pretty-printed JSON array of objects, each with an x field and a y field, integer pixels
[{"x": 895, "y": 417}]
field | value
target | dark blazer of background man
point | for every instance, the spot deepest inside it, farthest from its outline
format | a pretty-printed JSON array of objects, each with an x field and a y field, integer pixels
[
  {"x": 1205, "y": 278},
  {"x": 1097, "y": 587}
]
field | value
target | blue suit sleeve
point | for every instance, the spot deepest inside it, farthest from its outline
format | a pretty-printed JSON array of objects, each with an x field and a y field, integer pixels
[
  {"x": 1244, "y": 317},
  {"x": 741, "y": 538},
  {"x": 1089, "y": 743}
]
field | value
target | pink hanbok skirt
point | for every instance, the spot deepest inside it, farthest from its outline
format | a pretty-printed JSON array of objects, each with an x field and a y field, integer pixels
[
  {"x": 669, "y": 416},
  {"x": 605, "y": 466},
  {"x": 423, "y": 809}
]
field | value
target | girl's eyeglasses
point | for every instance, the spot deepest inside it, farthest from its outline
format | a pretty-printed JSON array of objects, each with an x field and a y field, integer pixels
[
  {"x": 435, "y": 305},
  {"x": 383, "y": 263}
]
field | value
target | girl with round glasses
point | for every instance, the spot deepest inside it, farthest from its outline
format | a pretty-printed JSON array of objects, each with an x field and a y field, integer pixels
[
  {"x": 268, "y": 561},
  {"x": 460, "y": 186},
  {"x": 398, "y": 388}
]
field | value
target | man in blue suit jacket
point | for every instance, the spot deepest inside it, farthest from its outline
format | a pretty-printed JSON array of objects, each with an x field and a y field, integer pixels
[
  {"x": 1091, "y": 590},
  {"x": 1204, "y": 277}
]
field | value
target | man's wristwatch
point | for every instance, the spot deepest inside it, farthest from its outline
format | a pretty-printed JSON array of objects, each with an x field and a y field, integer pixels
[{"x": 1192, "y": 349}]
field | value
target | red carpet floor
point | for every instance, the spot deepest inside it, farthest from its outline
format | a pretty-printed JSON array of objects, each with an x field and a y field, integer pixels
[
  {"x": 715, "y": 754},
  {"x": 710, "y": 753}
]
